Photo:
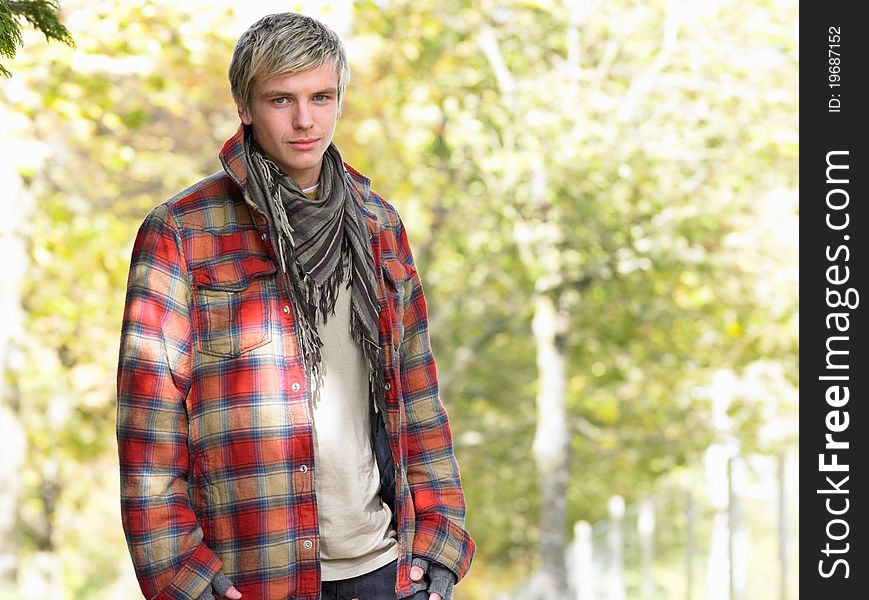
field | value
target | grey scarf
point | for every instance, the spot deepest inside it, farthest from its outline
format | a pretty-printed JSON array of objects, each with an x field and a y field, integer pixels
[{"x": 318, "y": 243}]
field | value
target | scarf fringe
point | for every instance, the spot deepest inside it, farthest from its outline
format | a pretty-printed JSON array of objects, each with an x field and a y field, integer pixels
[
  {"x": 374, "y": 356},
  {"x": 323, "y": 297}
]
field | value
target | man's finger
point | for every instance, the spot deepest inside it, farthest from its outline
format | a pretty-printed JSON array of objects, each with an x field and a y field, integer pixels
[
  {"x": 232, "y": 593},
  {"x": 416, "y": 573},
  {"x": 434, "y": 597}
]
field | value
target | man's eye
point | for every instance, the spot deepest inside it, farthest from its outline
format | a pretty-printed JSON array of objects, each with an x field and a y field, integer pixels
[
  {"x": 321, "y": 98},
  {"x": 280, "y": 100}
]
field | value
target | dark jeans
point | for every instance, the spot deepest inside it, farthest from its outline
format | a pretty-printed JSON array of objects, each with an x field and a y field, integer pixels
[{"x": 376, "y": 585}]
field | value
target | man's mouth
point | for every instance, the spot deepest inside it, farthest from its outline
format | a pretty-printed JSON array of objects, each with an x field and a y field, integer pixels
[{"x": 304, "y": 144}]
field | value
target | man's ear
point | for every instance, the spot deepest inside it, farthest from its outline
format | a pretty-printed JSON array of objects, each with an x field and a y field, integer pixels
[{"x": 243, "y": 114}]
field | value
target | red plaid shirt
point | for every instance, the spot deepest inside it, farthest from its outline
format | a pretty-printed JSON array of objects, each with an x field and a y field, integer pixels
[{"x": 214, "y": 428}]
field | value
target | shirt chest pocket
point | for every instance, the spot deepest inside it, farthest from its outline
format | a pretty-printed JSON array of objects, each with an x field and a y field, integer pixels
[
  {"x": 395, "y": 278},
  {"x": 232, "y": 301}
]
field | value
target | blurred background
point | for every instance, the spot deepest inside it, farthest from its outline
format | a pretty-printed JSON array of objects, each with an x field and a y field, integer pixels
[{"x": 602, "y": 202}]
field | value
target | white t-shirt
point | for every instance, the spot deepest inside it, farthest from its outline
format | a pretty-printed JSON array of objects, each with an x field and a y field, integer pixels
[{"x": 355, "y": 533}]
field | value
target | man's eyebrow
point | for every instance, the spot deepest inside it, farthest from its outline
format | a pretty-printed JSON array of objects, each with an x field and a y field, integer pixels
[{"x": 278, "y": 93}]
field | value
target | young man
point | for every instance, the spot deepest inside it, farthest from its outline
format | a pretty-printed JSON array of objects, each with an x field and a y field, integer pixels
[{"x": 279, "y": 427}]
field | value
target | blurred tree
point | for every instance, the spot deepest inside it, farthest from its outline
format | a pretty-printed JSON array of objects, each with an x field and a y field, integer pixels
[
  {"x": 585, "y": 172},
  {"x": 15, "y": 204},
  {"x": 41, "y": 14}
]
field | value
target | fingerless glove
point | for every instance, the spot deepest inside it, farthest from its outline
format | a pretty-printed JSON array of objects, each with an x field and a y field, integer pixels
[
  {"x": 440, "y": 579},
  {"x": 220, "y": 584}
]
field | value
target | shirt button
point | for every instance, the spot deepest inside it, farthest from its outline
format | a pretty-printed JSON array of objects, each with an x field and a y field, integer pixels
[
  {"x": 263, "y": 237},
  {"x": 286, "y": 309},
  {"x": 387, "y": 387},
  {"x": 308, "y": 544},
  {"x": 296, "y": 387},
  {"x": 303, "y": 468}
]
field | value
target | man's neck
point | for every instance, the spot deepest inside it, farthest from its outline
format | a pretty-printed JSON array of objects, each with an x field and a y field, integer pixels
[{"x": 311, "y": 192}]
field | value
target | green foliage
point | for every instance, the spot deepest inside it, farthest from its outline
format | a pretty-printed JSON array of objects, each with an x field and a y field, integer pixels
[
  {"x": 652, "y": 161},
  {"x": 41, "y": 14}
]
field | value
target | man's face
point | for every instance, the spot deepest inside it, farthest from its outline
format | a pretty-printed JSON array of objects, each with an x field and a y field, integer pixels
[{"x": 293, "y": 118}]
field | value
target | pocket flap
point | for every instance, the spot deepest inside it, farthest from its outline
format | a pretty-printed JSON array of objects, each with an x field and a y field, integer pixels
[
  {"x": 394, "y": 272},
  {"x": 233, "y": 273}
]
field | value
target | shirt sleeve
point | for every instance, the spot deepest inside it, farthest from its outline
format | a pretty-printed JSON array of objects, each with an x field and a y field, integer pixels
[
  {"x": 432, "y": 470},
  {"x": 162, "y": 532}
]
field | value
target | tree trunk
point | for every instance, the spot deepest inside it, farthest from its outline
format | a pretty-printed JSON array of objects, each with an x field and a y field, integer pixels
[
  {"x": 737, "y": 545},
  {"x": 646, "y": 525},
  {"x": 616, "y": 542},
  {"x": 783, "y": 530},
  {"x": 583, "y": 562},
  {"x": 14, "y": 203},
  {"x": 551, "y": 446},
  {"x": 690, "y": 544}
]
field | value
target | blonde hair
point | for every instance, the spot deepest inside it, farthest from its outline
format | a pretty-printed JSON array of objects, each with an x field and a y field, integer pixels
[{"x": 283, "y": 44}]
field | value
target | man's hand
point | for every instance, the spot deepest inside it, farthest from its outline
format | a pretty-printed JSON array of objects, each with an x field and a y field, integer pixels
[
  {"x": 232, "y": 593},
  {"x": 416, "y": 574},
  {"x": 440, "y": 579},
  {"x": 224, "y": 588}
]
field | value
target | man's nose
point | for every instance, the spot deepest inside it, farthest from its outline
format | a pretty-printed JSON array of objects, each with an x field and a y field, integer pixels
[{"x": 302, "y": 118}]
